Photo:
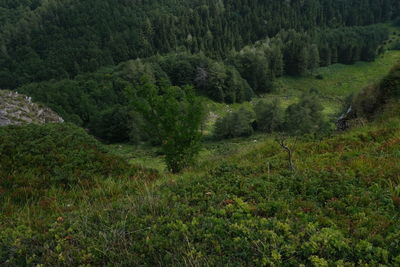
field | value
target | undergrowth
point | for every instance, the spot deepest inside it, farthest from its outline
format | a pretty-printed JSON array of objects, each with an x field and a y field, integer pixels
[{"x": 340, "y": 208}]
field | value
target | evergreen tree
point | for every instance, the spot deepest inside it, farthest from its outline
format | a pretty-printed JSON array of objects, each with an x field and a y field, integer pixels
[
  {"x": 313, "y": 59},
  {"x": 44, "y": 40}
]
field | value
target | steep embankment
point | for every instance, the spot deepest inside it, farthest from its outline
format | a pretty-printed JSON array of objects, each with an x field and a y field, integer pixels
[
  {"x": 378, "y": 100},
  {"x": 374, "y": 99}
]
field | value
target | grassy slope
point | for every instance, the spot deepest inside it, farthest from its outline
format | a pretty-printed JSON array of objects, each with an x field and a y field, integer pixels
[
  {"x": 339, "y": 82},
  {"x": 239, "y": 206}
]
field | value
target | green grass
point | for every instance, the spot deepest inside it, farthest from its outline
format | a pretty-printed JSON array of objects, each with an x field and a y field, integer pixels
[
  {"x": 239, "y": 206},
  {"x": 141, "y": 155},
  {"x": 340, "y": 81}
]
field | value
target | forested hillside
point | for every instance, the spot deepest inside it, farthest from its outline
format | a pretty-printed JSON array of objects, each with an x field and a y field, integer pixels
[
  {"x": 200, "y": 133},
  {"x": 41, "y": 40}
]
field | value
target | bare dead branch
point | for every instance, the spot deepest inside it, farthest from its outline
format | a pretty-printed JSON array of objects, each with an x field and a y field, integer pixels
[{"x": 282, "y": 141}]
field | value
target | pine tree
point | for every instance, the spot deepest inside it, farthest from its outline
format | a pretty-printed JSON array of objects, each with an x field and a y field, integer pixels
[{"x": 313, "y": 59}]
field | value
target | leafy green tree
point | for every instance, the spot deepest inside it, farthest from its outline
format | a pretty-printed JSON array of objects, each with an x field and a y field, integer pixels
[
  {"x": 113, "y": 124},
  {"x": 305, "y": 117},
  {"x": 254, "y": 68},
  {"x": 269, "y": 116},
  {"x": 174, "y": 116},
  {"x": 276, "y": 63},
  {"x": 234, "y": 124}
]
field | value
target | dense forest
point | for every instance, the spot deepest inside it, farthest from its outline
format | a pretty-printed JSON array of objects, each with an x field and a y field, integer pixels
[
  {"x": 99, "y": 100},
  {"x": 42, "y": 40},
  {"x": 88, "y": 60}
]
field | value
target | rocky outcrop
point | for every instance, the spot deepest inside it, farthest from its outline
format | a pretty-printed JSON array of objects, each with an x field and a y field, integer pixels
[{"x": 17, "y": 109}]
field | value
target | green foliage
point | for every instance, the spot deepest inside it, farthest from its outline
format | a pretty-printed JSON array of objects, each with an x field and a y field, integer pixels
[
  {"x": 216, "y": 80},
  {"x": 97, "y": 101},
  {"x": 269, "y": 116},
  {"x": 91, "y": 99},
  {"x": 296, "y": 53},
  {"x": 313, "y": 58},
  {"x": 174, "y": 116},
  {"x": 373, "y": 98},
  {"x": 43, "y": 40},
  {"x": 234, "y": 124},
  {"x": 35, "y": 158},
  {"x": 306, "y": 117},
  {"x": 116, "y": 125},
  {"x": 236, "y": 209},
  {"x": 302, "y": 118},
  {"x": 254, "y": 68},
  {"x": 82, "y": 100}
]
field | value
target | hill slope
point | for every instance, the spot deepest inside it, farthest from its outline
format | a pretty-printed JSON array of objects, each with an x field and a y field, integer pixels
[
  {"x": 240, "y": 206},
  {"x": 36, "y": 158}
]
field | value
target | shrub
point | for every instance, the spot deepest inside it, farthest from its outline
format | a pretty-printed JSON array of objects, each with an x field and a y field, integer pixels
[
  {"x": 373, "y": 98},
  {"x": 174, "y": 116},
  {"x": 36, "y": 157},
  {"x": 306, "y": 117},
  {"x": 269, "y": 116},
  {"x": 234, "y": 124}
]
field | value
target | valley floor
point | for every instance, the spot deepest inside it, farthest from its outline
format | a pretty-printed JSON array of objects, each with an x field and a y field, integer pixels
[{"x": 338, "y": 83}]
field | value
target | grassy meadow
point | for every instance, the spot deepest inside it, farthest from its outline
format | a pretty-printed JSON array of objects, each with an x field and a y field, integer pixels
[{"x": 339, "y": 82}]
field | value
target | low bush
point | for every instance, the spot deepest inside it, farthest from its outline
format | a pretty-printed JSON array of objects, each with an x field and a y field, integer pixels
[
  {"x": 306, "y": 116},
  {"x": 37, "y": 157},
  {"x": 234, "y": 124},
  {"x": 246, "y": 209},
  {"x": 269, "y": 116}
]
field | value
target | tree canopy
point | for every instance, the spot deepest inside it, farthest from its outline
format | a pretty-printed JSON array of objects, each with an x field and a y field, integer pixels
[{"x": 45, "y": 39}]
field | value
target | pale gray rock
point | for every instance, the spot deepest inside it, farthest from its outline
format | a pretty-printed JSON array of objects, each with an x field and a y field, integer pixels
[{"x": 18, "y": 109}]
